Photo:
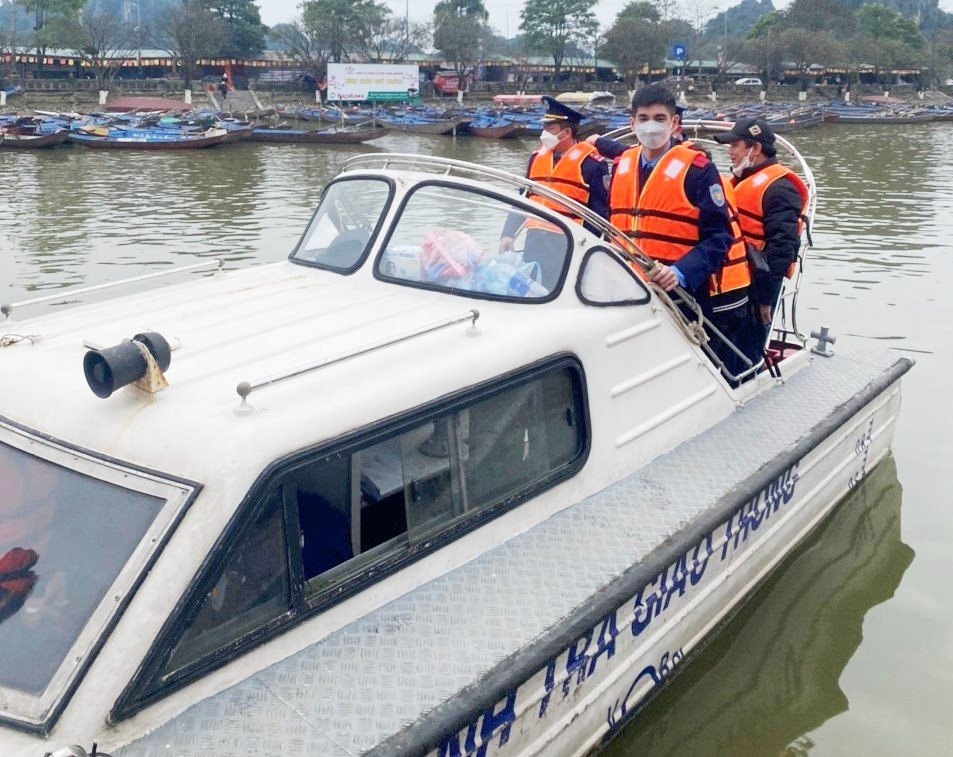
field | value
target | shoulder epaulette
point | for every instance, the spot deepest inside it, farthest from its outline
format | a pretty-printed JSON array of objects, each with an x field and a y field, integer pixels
[{"x": 701, "y": 160}]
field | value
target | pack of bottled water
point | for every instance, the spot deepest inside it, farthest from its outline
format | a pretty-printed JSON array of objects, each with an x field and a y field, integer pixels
[{"x": 507, "y": 275}]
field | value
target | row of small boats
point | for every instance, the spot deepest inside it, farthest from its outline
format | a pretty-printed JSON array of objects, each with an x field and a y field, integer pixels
[
  {"x": 522, "y": 119},
  {"x": 164, "y": 132}
]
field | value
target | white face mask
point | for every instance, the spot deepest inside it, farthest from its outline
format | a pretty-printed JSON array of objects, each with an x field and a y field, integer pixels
[
  {"x": 548, "y": 139},
  {"x": 745, "y": 163},
  {"x": 653, "y": 135}
]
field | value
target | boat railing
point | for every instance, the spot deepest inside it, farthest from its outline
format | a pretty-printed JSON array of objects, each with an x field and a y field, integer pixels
[
  {"x": 7, "y": 309},
  {"x": 687, "y": 313}
]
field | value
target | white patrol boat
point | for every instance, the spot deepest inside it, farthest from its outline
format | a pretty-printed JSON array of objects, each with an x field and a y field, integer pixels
[{"x": 399, "y": 496}]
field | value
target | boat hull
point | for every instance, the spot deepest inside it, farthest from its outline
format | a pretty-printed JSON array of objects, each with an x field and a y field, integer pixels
[
  {"x": 25, "y": 142},
  {"x": 112, "y": 143},
  {"x": 503, "y": 131},
  {"x": 618, "y": 660},
  {"x": 439, "y": 127}
]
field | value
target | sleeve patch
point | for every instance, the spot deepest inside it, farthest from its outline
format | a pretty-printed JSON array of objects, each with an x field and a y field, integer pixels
[
  {"x": 700, "y": 160},
  {"x": 717, "y": 195}
]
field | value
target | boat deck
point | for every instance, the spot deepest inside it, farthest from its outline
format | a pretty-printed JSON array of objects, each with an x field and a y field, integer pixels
[{"x": 404, "y": 675}]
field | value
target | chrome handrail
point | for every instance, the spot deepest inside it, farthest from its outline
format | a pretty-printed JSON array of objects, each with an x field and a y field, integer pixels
[
  {"x": 7, "y": 308},
  {"x": 245, "y": 388}
]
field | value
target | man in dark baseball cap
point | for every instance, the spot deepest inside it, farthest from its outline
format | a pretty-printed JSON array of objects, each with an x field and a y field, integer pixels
[
  {"x": 772, "y": 201},
  {"x": 751, "y": 131}
]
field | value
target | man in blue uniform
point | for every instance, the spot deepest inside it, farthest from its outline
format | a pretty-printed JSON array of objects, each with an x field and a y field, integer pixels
[
  {"x": 569, "y": 167},
  {"x": 680, "y": 216}
]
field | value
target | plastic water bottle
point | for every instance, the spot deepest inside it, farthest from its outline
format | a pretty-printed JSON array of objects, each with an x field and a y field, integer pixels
[{"x": 500, "y": 277}]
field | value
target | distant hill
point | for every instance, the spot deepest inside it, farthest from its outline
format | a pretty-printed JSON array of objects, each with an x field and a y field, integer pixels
[{"x": 741, "y": 17}]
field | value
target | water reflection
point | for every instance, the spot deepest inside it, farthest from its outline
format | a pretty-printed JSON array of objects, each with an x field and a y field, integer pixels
[{"x": 772, "y": 675}]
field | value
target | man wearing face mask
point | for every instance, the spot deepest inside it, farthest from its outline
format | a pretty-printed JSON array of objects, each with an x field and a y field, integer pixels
[
  {"x": 771, "y": 201},
  {"x": 569, "y": 167},
  {"x": 669, "y": 197}
]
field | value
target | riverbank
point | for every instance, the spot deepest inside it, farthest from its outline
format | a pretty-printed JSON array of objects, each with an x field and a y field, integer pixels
[{"x": 84, "y": 101}]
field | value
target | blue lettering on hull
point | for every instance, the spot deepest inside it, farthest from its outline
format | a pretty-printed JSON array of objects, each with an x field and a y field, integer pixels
[{"x": 591, "y": 652}]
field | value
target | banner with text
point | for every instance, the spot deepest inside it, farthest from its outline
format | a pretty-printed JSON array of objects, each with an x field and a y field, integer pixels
[{"x": 372, "y": 81}]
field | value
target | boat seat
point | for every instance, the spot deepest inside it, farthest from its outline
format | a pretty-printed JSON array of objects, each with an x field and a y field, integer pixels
[
  {"x": 325, "y": 533},
  {"x": 345, "y": 250}
]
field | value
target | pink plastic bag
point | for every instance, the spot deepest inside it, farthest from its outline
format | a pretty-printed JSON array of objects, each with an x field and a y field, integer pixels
[{"x": 449, "y": 254}]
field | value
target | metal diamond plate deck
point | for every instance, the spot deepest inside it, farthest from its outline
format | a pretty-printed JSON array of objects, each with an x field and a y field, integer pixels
[{"x": 359, "y": 686}]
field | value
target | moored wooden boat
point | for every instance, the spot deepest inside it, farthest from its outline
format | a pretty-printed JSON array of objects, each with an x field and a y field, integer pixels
[
  {"x": 423, "y": 125},
  {"x": 500, "y": 128},
  {"x": 10, "y": 138},
  {"x": 154, "y": 140}
]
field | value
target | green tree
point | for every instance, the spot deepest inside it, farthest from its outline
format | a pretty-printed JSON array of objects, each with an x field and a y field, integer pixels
[
  {"x": 763, "y": 48},
  {"x": 103, "y": 39},
  {"x": 461, "y": 34},
  {"x": 635, "y": 40},
  {"x": 803, "y": 48},
  {"x": 881, "y": 23},
  {"x": 391, "y": 39},
  {"x": 341, "y": 26},
  {"x": 550, "y": 25},
  {"x": 312, "y": 50},
  {"x": 47, "y": 13},
  {"x": 189, "y": 32},
  {"x": 245, "y": 31},
  {"x": 831, "y": 16}
]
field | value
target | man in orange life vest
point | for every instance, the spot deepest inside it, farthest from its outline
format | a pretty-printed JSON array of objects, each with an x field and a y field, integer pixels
[
  {"x": 771, "y": 201},
  {"x": 572, "y": 168},
  {"x": 671, "y": 200}
]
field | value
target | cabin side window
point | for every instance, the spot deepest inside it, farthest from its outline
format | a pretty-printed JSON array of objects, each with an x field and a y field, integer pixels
[
  {"x": 605, "y": 280},
  {"x": 330, "y": 522}
]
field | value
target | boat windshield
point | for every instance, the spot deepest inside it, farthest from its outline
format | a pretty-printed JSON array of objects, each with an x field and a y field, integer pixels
[
  {"x": 458, "y": 239},
  {"x": 345, "y": 223},
  {"x": 67, "y": 532}
]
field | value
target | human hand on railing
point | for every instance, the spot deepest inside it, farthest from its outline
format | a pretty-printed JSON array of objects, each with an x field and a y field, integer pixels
[
  {"x": 665, "y": 277},
  {"x": 506, "y": 244},
  {"x": 764, "y": 313}
]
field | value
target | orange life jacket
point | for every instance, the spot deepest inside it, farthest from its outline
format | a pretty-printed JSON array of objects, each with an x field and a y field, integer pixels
[
  {"x": 749, "y": 193},
  {"x": 660, "y": 216},
  {"x": 563, "y": 176}
]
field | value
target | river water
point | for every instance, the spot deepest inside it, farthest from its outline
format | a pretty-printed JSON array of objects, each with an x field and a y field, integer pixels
[{"x": 849, "y": 648}]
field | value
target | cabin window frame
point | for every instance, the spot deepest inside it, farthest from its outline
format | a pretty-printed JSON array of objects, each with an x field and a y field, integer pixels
[
  {"x": 179, "y": 494},
  {"x": 602, "y": 250},
  {"x": 517, "y": 201},
  {"x": 150, "y": 683},
  {"x": 368, "y": 246}
]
